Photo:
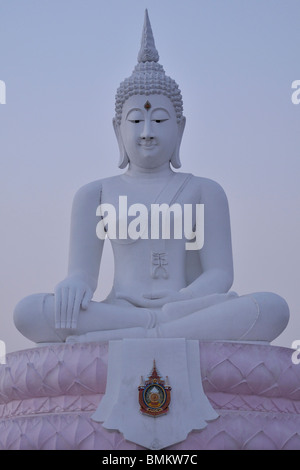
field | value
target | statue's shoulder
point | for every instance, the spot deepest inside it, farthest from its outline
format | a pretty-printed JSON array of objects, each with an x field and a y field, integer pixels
[
  {"x": 208, "y": 187},
  {"x": 94, "y": 188}
]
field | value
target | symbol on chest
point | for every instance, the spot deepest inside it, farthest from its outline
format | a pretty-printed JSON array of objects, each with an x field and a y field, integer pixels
[{"x": 159, "y": 263}]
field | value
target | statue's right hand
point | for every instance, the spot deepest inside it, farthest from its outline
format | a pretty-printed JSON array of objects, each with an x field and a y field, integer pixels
[{"x": 71, "y": 294}]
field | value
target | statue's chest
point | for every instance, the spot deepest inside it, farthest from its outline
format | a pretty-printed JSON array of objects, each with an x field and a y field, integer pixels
[
  {"x": 175, "y": 190},
  {"x": 133, "y": 194},
  {"x": 160, "y": 211}
]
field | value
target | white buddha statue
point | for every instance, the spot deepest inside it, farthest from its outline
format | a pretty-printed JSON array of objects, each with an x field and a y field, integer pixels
[{"x": 160, "y": 288}]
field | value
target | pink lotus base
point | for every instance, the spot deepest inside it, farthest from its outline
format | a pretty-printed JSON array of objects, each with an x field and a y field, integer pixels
[{"x": 48, "y": 394}]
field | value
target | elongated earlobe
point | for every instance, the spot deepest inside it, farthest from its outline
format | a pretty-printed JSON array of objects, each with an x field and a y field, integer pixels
[
  {"x": 124, "y": 160},
  {"x": 175, "y": 160}
]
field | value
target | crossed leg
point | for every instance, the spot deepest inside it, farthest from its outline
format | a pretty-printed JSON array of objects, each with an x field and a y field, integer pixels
[
  {"x": 34, "y": 318},
  {"x": 256, "y": 317}
]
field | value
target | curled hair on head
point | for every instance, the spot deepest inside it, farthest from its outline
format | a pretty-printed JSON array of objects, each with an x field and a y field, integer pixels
[{"x": 148, "y": 77}]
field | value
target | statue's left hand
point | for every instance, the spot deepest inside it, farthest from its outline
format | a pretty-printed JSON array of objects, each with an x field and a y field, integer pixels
[
  {"x": 154, "y": 299},
  {"x": 71, "y": 294}
]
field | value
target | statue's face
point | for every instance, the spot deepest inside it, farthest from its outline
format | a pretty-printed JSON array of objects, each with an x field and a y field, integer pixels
[{"x": 149, "y": 130}]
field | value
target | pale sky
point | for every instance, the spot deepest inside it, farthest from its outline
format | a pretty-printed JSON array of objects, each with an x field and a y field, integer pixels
[{"x": 234, "y": 60}]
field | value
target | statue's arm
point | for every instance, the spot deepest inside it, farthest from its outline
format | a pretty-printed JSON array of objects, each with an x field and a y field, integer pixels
[
  {"x": 76, "y": 290},
  {"x": 85, "y": 247},
  {"x": 216, "y": 253}
]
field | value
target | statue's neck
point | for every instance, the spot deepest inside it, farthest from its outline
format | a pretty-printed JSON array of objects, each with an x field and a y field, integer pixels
[{"x": 152, "y": 173}]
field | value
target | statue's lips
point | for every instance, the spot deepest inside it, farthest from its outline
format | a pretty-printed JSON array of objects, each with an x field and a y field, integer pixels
[{"x": 148, "y": 146}]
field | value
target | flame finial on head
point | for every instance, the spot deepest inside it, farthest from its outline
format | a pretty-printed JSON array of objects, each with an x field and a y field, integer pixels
[
  {"x": 148, "y": 78},
  {"x": 148, "y": 51}
]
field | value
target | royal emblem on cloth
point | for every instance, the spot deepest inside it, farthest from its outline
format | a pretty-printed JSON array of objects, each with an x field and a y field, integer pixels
[{"x": 154, "y": 394}]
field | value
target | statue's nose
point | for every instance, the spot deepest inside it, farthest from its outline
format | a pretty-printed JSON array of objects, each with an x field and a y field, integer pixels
[{"x": 147, "y": 132}]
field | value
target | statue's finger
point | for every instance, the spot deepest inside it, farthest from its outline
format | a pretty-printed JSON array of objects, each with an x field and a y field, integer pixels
[
  {"x": 58, "y": 308},
  {"x": 134, "y": 300},
  {"x": 141, "y": 301},
  {"x": 145, "y": 303},
  {"x": 129, "y": 298},
  {"x": 151, "y": 303},
  {"x": 156, "y": 295},
  {"x": 64, "y": 305},
  {"x": 76, "y": 309},
  {"x": 86, "y": 299},
  {"x": 70, "y": 306}
]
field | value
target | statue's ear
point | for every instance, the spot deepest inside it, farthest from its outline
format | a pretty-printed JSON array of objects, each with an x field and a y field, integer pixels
[
  {"x": 124, "y": 160},
  {"x": 175, "y": 160}
]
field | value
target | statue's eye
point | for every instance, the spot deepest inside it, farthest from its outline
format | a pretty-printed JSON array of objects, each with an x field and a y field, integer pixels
[
  {"x": 135, "y": 121},
  {"x": 160, "y": 120}
]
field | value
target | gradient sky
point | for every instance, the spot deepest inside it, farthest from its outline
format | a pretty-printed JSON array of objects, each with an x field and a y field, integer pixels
[{"x": 234, "y": 60}]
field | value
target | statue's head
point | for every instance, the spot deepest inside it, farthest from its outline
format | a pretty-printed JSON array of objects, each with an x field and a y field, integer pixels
[{"x": 149, "y": 102}]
